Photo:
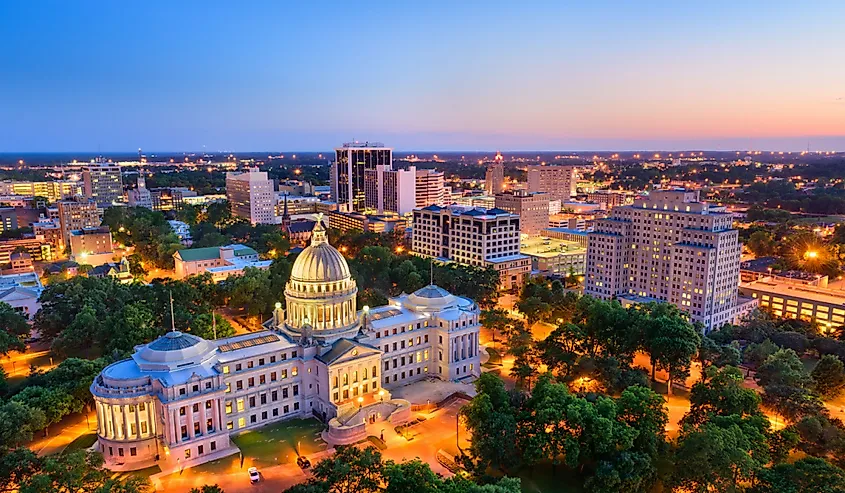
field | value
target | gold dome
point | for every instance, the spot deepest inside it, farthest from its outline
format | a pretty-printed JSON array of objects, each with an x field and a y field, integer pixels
[{"x": 320, "y": 262}]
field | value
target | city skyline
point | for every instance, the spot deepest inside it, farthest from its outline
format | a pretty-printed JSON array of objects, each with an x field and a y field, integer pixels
[{"x": 431, "y": 77}]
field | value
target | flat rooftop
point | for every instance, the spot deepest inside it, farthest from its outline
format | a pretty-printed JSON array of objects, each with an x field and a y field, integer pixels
[
  {"x": 550, "y": 247},
  {"x": 812, "y": 293}
]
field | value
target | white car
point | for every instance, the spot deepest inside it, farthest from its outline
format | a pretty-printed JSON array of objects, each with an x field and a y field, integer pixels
[{"x": 254, "y": 477}]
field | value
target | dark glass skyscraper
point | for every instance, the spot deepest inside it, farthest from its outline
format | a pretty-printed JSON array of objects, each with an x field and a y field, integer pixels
[{"x": 348, "y": 172}]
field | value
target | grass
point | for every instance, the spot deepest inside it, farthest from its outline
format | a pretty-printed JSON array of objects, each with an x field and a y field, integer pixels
[
  {"x": 82, "y": 442},
  {"x": 140, "y": 473},
  {"x": 277, "y": 443},
  {"x": 267, "y": 446}
]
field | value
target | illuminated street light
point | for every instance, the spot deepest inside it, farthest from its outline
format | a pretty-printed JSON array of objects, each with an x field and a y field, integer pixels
[
  {"x": 811, "y": 254},
  {"x": 360, "y": 402}
]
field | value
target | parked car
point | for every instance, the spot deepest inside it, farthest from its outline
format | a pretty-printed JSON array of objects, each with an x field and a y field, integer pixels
[
  {"x": 254, "y": 476},
  {"x": 302, "y": 462}
]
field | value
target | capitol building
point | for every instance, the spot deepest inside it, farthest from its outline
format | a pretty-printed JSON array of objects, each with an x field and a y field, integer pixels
[{"x": 178, "y": 399}]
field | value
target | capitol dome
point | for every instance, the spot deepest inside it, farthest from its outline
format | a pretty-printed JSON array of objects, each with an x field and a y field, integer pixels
[
  {"x": 320, "y": 295},
  {"x": 320, "y": 262}
]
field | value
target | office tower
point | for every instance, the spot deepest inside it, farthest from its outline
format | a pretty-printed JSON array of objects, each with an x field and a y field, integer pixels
[
  {"x": 348, "y": 172},
  {"x": 531, "y": 207},
  {"x": 76, "y": 215},
  {"x": 670, "y": 247},
  {"x": 494, "y": 179},
  {"x": 103, "y": 184},
  {"x": 431, "y": 189},
  {"x": 251, "y": 196},
  {"x": 557, "y": 181},
  {"x": 140, "y": 196},
  {"x": 472, "y": 236},
  {"x": 389, "y": 190}
]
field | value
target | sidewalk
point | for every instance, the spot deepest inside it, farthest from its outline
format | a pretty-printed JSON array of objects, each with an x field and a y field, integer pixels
[{"x": 63, "y": 433}]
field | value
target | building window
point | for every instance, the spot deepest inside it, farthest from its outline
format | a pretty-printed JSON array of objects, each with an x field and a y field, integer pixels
[
  {"x": 229, "y": 425},
  {"x": 213, "y": 446},
  {"x": 241, "y": 422},
  {"x": 187, "y": 453}
]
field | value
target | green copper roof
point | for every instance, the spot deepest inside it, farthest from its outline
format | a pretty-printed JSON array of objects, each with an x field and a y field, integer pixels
[{"x": 194, "y": 254}]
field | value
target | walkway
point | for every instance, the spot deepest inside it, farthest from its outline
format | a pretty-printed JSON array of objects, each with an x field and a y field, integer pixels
[{"x": 63, "y": 433}]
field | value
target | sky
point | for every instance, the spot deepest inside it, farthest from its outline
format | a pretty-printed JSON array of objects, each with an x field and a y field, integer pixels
[{"x": 469, "y": 75}]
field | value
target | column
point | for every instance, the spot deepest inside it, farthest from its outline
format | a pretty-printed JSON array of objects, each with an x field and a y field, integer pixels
[
  {"x": 124, "y": 408},
  {"x": 177, "y": 428},
  {"x": 203, "y": 424},
  {"x": 112, "y": 422},
  {"x": 150, "y": 420},
  {"x": 190, "y": 414},
  {"x": 100, "y": 421},
  {"x": 137, "y": 422}
]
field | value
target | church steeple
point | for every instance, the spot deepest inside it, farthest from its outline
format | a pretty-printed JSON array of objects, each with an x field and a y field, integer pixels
[{"x": 286, "y": 216}]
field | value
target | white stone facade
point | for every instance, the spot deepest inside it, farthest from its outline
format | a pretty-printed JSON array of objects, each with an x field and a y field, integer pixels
[
  {"x": 177, "y": 400},
  {"x": 669, "y": 247}
]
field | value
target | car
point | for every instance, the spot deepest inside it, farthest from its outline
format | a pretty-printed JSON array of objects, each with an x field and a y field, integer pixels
[
  {"x": 254, "y": 475},
  {"x": 302, "y": 462}
]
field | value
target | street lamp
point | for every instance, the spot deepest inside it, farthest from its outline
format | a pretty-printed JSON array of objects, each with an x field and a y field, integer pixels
[
  {"x": 381, "y": 395},
  {"x": 360, "y": 402}
]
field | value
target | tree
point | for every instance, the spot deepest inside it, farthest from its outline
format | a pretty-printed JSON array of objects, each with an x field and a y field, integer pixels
[
  {"x": 756, "y": 354},
  {"x": 413, "y": 476},
  {"x": 19, "y": 422},
  {"x": 490, "y": 417},
  {"x": 16, "y": 465},
  {"x": 761, "y": 244},
  {"x": 829, "y": 377},
  {"x": 202, "y": 327},
  {"x": 721, "y": 393},
  {"x": 786, "y": 385},
  {"x": 53, "y": 402},
  {"x": 645, "y": 411},
  {"x": 807, "y": 474},
  {"x": 349, "y": 470},
  {"x": 251, "y": 291},
  {"x": 534, "y": 309},
  {"x": 719, "y": 355},
  {"x": 670, "y": 340},
  {"x": 208, "y": 488},
  {"x": 71, "y": 472},
  {"x": 14, "y": 329},
  {"x": 721, "y": 453}
]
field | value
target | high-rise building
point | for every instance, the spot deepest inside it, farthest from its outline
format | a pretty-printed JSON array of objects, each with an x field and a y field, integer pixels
[
  {"x": 77, "y": 215},
  {"x": 472, "y": 236},
  {"x": 389, "y": 190},
  {"x": 347, "y": 174},
  {"x": 170, "y": 198},
  {"x": 431, "y": 189},
  {"x": 103, "y": 184},
  {"x": 494, "y": 179},
  {"x": 531, "y": 207},
  {"x": 668, "y": 247},
  {"x": 557, "y": 181},
  {"x": 140, "y": 196},
  {"x": 51, "y": 190},
  {"x": 251, "y": 196}
]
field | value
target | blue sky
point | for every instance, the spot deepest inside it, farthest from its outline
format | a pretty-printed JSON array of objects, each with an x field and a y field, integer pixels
[{"x": 276, "y": 75}]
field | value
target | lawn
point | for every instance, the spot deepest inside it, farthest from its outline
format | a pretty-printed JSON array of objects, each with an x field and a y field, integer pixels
[
  {"x": 82, "y": 442},
  {"x": 140, "y": 473},
  {"x": 277, "y": 443},
  {"x": 269, "y": 446}
]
